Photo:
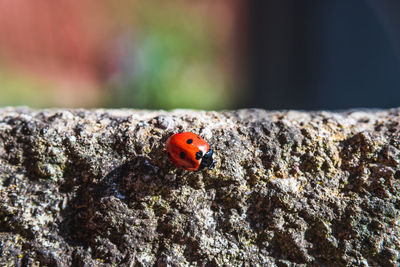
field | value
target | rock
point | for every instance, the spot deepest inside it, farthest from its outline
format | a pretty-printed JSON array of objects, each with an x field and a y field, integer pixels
[{"x": 95, "y": 188}]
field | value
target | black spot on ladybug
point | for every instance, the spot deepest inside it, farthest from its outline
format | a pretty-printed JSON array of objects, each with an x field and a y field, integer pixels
[
  {"x": 184, "y": 167},
  {"x": 189, "y": 141},
  {"x": 182, "y": 155},
  {"x": 199, "y": 155},
  {"x": 169, "y": 155}
]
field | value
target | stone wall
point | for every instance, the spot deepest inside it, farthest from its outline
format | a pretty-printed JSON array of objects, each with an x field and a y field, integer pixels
[{"x": 95, "y": 188}]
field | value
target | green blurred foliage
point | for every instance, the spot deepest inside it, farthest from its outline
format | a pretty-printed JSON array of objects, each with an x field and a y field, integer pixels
[
  {"x": 173, "y": 62},
  {"x": 22, "y": 90}
]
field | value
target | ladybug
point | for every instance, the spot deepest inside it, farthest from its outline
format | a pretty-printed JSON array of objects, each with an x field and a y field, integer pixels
[{"x": 189, "y": 151}]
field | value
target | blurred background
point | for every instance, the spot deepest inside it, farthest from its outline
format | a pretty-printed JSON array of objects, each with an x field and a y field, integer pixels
[{"x": 201, "y": 54}]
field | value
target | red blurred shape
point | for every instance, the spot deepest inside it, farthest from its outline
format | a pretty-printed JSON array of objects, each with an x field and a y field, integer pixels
[{"x": 61, "y": 41}]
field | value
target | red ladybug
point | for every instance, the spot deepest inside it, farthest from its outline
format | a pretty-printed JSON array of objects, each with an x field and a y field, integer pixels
[{"x": 189, "y": 151}]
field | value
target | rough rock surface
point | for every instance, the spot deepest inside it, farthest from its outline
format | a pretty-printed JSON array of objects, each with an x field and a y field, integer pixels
[{"x": 95, "y": 188}]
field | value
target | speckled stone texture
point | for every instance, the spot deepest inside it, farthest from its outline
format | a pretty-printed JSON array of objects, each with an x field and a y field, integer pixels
[{"x": 95, "y": 188}]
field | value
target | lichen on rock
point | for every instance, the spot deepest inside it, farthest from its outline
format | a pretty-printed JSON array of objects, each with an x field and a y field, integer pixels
[{"x": 95, "y": 188}]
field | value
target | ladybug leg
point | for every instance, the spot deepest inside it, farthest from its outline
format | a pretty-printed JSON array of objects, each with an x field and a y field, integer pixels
[{"x": 212, "y": 164}]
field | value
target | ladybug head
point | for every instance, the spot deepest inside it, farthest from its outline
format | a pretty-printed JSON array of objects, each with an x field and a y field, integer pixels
[{"x": 207, "y": 160}]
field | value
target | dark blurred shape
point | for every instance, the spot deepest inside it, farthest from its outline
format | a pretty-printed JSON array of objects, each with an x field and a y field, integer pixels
[
  {"x": 324, "y": 54},
  {"x": 388, "y": 13}
]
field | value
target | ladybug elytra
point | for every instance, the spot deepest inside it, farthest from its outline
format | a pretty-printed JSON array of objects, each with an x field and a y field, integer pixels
[{"x": 189, "y": 151}]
